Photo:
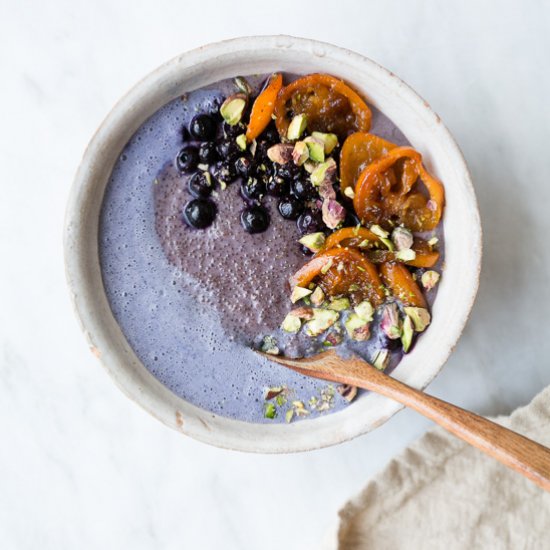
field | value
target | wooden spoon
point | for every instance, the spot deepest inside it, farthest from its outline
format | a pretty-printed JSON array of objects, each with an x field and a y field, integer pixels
[{"x": 515, "y": 451}]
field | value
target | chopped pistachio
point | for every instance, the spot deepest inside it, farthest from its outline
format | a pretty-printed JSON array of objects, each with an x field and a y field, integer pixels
[
  {"x": 329, "y": 141},
  {"x": 232, "y": 108},
  {"x": 280, "y": 400},
  {"x": 420, "y": 317},
  {"x": 281, "y": 153},
  {"x": 253, "y": 147},
  {"x": 405, "y": 255},
  {"x": 322, "y": 320},
  {"x": 296, "y": 127},
  {"x": 429, "y": 279},
  {"x": 354, "y": 287},
  {"x": 381, "y": 359},
  {"x": 379, "y": 232},
  {"x": 364, "y": 310},
  {"x": 387, "y": 242},
  {"x": 270, "y": 411},
  {"x": 299, "y": 408},
  {"x": 300, "y": 153},
  {"x": 349, "y": 192},
  {"x": 243, "y": 85},
  {"x": 313, "y": 241},
  {"x": 347, "y": 391},
  {"x": 433, "y": 241},
  {"x": 357, "y": 328},
  {"x": 339, "y": 304},
  {"x": 289, "y": 415},
  {"x": 269, "y": 345},
  {"x": 327, "y": 266},
  {"x": 318, "y": 296},
  {"x": 303, "y": 313},
  {"x": 273, "y": 392},
  {"x": 333, "y": 339},
  {"x": 298, "y": 293},
  {"x": 203, "y": 167},
  {"x": 407, "y": 333},
  {"x": 241, "y": 142},
  {"x": 391, "y": 323},
  {"x": 316, "y": 149},
  {"x": 364, "y": 243},
  {"x": 402, "y": 238},
  {"x": 309, "y": 165},
  {"x": 291, "y": 323},
  {"x": 318, "y": 175}
]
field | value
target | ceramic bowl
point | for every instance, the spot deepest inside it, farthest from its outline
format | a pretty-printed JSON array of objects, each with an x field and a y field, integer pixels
[{"x": 265, "y": 54}]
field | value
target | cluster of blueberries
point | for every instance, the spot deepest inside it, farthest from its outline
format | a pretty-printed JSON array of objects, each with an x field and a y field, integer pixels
[{"x": 215, "y": 146}]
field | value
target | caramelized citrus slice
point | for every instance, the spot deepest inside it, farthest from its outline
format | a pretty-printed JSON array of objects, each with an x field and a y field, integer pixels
[
  {"x": 260, "y": 116},
  {"x": 342, "y": 271},
  {"x": 329, "y": 104},
  {"x": 386, "y": 192},
  {"x": 359, "y": 150},
  {"x": 402, "y": 285},
  {"x": 351, "y": 236}
]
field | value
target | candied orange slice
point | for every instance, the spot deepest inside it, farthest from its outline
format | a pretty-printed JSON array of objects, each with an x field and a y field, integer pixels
[
  {"x": 359, "y": 150},
  {"x": 342, "y": 271},
  {"x": 260, "y": 116},
  {"x": 402, "y": 285},
  {"x": 386, "y": 192},
  {"x": 364, "y": 238},
  {"x": 329, "y": 104}
]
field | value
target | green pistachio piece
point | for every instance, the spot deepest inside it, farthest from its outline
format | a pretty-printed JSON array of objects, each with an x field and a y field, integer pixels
[
  {"x": 430, "y": 279},
  {"x": 387, "y": 242},
  {"x": 289, "y": 415},
  {"x": 327, "y": 266},
  {"x": 322, "y": 320},
  {"x": 296, "y": 127},
  {"x": 298, "y": 293},
  {"x": 405, "y": 255},
  {"x": 313, "y": 241},
  {"x": 300, "y": 153},
  {"x": 407, "y": 333},
  {"x": 241, "y": 142},
  {"x": 339, "y": 304},
  {"x": 291, "y": 323},
  {"x": 433, "y": 241},
  {"x": 349, "y": 192},
  {"x": 329, "y": 141},
  {"x": 357, "y": 328},
  {"x": 316, "y": 149},
  {"x": 318, "y": 175},
  {"x": 232, "y": 108},
  {"x": 309, "y": 165},
  {"x": 381, "y": 359},
  {"x": 378, "y": 231},
  {"x": 420, "y": 317},
  {"x": 364, "y": 310},
  {"x": 243, "y": 85},
  {"x": 269, "y": 345},
  {"x": 270, "y": 411},
  {"x": 318, "y": 296}
]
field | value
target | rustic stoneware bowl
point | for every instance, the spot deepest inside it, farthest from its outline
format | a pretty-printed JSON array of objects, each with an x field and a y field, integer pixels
[{"x": 265, "y": 54}]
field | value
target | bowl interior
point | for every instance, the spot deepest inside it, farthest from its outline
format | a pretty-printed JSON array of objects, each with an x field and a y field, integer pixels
[{"x": 250, "y": 55}]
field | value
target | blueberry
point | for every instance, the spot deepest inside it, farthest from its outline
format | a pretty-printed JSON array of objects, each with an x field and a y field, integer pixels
[
  {"x": 228, "y": 149},
  {"x": 286, "y": 171},
  {"x": 233, "y": 131},
  {"x": 184, "y": 134},
  {"x": 305, "y": 250},
  {"x": 199, "y": 213},
  {"x": 302, "y": 188},
  {"x": 309, "y": 222},
  {"x": 243, "y": 165},
  {"x": 253, "y": 189},
  {"x": 255, "y": 219},
  {"x": 290, "y": 208},
  {"x": 277, "y": 186},
  {"x": 224, "y": 172},
  {"x": 187, "y": 158},
  {"x": 351, "y": 220},
  {"x": 203, "y": 127},
  {"x": 270, "y": 134},
  {"x": 207, "y": 152},
  {"x": 200, "y": 184}
]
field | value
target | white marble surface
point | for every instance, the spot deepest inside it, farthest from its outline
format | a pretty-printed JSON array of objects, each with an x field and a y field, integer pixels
[{"x": 83, "y": 467}]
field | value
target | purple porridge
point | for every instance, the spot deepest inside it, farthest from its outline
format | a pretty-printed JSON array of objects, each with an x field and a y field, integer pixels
[{"x": 196, "y": 291}]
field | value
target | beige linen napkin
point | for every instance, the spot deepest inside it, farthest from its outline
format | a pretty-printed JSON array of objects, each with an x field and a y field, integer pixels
[{"x": 441, "y": 493}]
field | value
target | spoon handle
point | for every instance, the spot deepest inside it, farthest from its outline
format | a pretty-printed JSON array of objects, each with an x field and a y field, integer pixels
[{"x": 510, "y": 448}]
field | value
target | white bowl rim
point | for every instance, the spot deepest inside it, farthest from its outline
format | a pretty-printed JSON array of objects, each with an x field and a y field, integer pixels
[{"x": 107, "y": 341}]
